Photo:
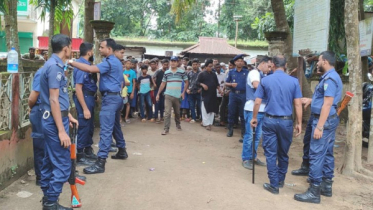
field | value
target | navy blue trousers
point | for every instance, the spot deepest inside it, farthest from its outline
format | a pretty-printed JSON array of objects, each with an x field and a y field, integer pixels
[
  {"x": 86, "y": 126},
  {"x": 307, "y": 141},
  {"x": 321, "y": 151},
  {"x": 277, "y": 138},
  {"x": 56, "y": 163},
  {"x": 236, "y": 104},
  {"x": 110, "y": 124},
  {"x": 37, "y": 136}
]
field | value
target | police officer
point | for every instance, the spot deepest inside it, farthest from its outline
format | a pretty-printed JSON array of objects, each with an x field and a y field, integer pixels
[
  {"x": 55, "y": 121},
  {"x": 236, "y": 80},
  {"x": 111, "y": 82},
  {"x": 37, "y": 129},
  {"x": 325, "y": 121},
  {"x": 281, "y": 91},
  {"x": 84, "y": 98}
]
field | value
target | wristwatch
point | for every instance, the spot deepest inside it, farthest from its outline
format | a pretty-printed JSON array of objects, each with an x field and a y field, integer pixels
[{"x": 320, "y": 129}]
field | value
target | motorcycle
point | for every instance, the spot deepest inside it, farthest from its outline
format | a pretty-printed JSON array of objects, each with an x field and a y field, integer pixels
[{"x": 367, "y": 107}]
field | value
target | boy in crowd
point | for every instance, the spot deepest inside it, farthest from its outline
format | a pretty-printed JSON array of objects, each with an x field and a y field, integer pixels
[{"x": 145, "y": 82}]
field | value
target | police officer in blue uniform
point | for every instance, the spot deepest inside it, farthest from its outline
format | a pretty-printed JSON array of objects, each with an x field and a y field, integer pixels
[
  {"x": 281, "y": 91},
  {"x": 325, "y": 122},
  {"x": 84, "y": 98},
  {"x": 236, "y": 81},
  {"x": 111, "y": 83},
  {"x": 37, "y": 129},
  {"x": 55, "y": 122}
]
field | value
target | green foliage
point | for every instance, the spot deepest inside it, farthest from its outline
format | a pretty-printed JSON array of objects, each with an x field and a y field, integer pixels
[
  {"x": 180, "y": 7},
  {"x": 63, "y": 11},
  {"x": 337, "y": 37}
]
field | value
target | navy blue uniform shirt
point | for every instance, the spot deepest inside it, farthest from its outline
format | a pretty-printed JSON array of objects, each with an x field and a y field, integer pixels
[
  {"x": 52, "y": 76},
  {"x": 238, "y": 77},
  {"x": 36, "y": 85},
  {"x": 84, "y": 78},
  {"x": 330, "y": 85},
  {"x": 111, "y": 74},
  {"x": 280, "y": 90}
]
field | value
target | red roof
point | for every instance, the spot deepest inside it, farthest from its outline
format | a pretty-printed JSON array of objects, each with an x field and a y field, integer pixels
[{"x": 213, "y": 46}]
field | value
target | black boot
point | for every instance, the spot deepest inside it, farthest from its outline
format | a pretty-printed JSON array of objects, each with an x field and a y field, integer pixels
[
  {"x": 97, "y": 167},
  {"x": 83, "y": 178},
  {"x": 326, "y": 187},
  {"x": 312, "y": 195},
  {"x": 82, "y": 160},
  {"x": 271, "y": 189},
  {"x": 113, "y": 144},
  {"x": 303, "y": 171},
  {"x": 44, "y": 200},
  {"x": 122, "y": 154},
  {"x": 230, "y": 131},
  {"x": 89, "y": 153},
  {"x": 242, "y": 135},
  {"x": 54, "y": 206}
]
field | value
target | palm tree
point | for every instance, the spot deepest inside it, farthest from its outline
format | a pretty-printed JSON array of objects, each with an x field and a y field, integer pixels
[{"x": 181, "y": 6}]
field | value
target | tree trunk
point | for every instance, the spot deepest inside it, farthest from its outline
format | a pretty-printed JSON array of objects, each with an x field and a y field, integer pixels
[
  {"x": 88, "y": 16},
  {"x": 278, "y": 8},
  {"x": 51, "y": 25},
  {"x": 11, "y": 30},
  {"x": 352, "y": 157}
]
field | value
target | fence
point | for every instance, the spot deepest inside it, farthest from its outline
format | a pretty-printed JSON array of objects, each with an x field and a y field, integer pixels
[{"x": 25, "y": 87}]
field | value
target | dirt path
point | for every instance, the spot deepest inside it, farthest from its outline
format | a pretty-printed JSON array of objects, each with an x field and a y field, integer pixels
[{"x": 193, "y": 169}]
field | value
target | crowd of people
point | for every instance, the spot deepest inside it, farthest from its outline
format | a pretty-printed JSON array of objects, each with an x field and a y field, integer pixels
[{"x": 261, "y": 97}]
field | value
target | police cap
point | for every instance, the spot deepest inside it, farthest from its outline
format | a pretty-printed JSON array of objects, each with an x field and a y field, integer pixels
[{"x": 240, "y": 56}]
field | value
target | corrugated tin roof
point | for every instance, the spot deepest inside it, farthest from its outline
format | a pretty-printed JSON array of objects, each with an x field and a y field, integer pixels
[{"x": 212, "y": 46}]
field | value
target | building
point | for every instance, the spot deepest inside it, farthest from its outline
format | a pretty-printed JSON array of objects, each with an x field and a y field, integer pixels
[
  {"x": 211, "y": 47},
  {"x": 30, "y": 26}
]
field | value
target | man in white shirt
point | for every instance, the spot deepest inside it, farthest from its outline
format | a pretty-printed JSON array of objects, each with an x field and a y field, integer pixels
[{"x": 253, "y": 81}]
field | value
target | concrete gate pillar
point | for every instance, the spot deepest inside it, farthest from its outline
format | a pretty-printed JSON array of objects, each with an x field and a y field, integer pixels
[{"x": 276, "y": 44}]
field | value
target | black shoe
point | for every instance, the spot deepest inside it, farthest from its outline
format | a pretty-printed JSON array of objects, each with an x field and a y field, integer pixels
[
  {"x": 122, "y": 154},
  {"x": 89, "y": 153},
  {"x": 82, "y": 160},
  {"x": 271, "y": 189},
  {"x": 97, "y": 167},
  {"x": 326, "y": 187},
  {"x": 83, "y": 178},
  {"x": 308, "y": 180},
  {"x": 281, "y": 184},
  {"x": 38, "y": 181},
  {"x": 54, "y": 206},
  {"x": 113, "y": 149},
  {"x": 230, "y": 131},
  {"x": 44, "y": 200},
  {"x": 312, "y": 195},
  {"x": 241, "y": 140},
  {"x": 303, "y": 171}
]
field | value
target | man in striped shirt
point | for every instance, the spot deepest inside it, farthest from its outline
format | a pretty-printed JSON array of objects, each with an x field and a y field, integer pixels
[{"x": 173, "y": 78}]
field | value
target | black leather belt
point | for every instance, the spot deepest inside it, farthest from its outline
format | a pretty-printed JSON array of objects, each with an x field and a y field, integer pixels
[
  {"x": 110, "y": 93},
  {"x": 239, "y": 91},
  {"x": 65, "y": 113},
  {"x": 330, "y": 117},
  {"x": 279, "y": 117},
  {"x": 90, "y": 93}
]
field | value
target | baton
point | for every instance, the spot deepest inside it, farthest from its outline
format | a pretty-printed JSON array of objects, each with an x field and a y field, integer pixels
[{"x": 253, "y": 155}]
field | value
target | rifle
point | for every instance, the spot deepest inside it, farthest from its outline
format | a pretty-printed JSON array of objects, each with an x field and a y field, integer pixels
[
  {"x": 253, "y": 156},
  {"x": 73, "y": 180},
  {"x": 345, "y": 101}
]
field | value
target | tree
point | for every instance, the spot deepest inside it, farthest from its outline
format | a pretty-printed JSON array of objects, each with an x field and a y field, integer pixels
[
  {"x": 179, "y": 7},
  {"x": 9, "y": 9},
  {"x": 352, "y": 164},
  {"x": 88, "y": 16},
  {"x": 59, "y": 11}
]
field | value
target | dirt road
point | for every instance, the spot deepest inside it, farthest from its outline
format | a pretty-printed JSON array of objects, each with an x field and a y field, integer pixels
[{"x": 190, "y": 169}]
